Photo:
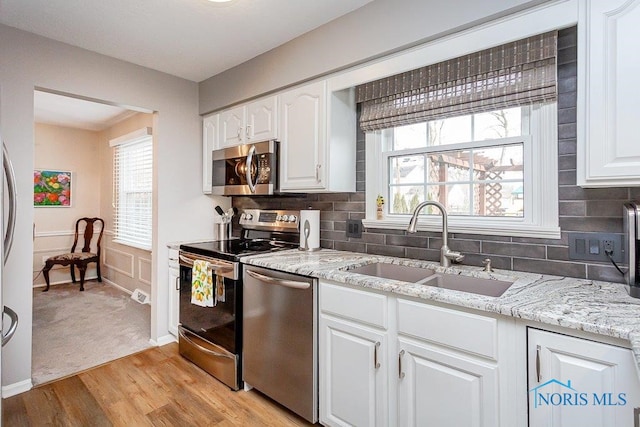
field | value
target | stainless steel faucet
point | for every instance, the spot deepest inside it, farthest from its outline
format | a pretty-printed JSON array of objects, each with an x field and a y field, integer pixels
[{"x": 446, "y": 255}]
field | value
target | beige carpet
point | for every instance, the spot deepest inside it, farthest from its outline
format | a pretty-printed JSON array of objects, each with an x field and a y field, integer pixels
[{"x": 74, "y": 331}]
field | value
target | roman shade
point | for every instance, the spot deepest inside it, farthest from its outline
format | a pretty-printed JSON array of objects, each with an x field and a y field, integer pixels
[{"x": 517, "y": 73}]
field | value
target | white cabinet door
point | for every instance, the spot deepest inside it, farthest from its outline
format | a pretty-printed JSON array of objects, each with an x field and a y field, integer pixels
[
  {"x": 608, "y": 93},
  {"x": 262, "y": 120},
  {"x": 174, "y": 292},
  {"x": 209, "y": 143},
  {"x": 353, "y": 374},
  {"x": 302, "y": 138},
  {"x": 440, "y": 388},
  {"x": 232, "y": 131},
  {"x": 576, "y": 382}
]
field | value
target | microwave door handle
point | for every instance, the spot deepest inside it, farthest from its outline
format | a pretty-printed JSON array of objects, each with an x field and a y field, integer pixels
[{"x": 250, "y": 183}]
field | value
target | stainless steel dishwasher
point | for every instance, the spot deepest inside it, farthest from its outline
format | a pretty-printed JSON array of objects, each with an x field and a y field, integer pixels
[{"x": 280, "y": 338}]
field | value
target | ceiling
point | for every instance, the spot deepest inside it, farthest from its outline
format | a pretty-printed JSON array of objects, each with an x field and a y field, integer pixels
[
  {"x": 192, "y": 39},
  {"x": 76, "y": 113}
]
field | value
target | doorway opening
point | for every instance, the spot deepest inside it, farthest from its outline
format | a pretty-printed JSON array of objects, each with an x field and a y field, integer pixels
[{"x": 74, "y": 330}]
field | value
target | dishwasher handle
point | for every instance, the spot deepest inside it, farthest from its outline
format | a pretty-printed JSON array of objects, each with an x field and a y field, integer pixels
[{"x": 282, "y": 282}]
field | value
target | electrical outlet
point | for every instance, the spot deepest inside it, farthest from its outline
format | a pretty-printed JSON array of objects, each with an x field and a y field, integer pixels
[
  {"x": 594, "y": 246},
  {"x": 354, "y": 228},
  {"x": 608, "y": 246}
]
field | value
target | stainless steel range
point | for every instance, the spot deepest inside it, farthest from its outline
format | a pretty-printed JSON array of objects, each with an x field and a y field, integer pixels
[{"x": 211, "y": 336}]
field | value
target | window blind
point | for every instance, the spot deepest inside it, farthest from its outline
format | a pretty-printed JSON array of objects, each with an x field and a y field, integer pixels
[
  {"x": 133, "y": 191},
  {"x": 517, "y": 73}
]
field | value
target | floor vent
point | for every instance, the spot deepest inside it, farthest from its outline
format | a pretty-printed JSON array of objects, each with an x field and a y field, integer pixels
[{"x": 140, "y": 296}]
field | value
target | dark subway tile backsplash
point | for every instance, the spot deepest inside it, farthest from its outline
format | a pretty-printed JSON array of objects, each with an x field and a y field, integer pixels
[{"x": 580, "y": 210}]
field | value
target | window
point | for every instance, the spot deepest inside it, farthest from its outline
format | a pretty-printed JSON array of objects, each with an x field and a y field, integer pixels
[
  {"x": 132, "y": 189},
  {"x": 476, "y": 133},
  {"x": 472, "y": 164}
]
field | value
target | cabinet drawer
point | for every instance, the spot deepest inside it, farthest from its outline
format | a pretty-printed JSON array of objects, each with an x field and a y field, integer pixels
[
  {"x": 460, "y": 330},
  {"x": 362, "y": 306}
]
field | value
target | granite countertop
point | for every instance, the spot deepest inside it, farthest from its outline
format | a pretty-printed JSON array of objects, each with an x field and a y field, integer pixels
[{"x": 587, "y": 305}]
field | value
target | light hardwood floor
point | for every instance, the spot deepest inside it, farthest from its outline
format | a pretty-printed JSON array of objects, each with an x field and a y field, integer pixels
[{"x": 156, "y": 387}]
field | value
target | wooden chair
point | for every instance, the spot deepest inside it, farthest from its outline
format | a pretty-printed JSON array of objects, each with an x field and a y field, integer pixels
[{"x": 78, "y": 259}]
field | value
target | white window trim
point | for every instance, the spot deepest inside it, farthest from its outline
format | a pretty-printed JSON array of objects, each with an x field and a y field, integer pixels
[{"x": 540, "y": 183}]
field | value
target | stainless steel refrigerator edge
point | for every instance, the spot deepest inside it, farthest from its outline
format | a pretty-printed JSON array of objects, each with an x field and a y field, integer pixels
[{"x": 280, "y": 334}]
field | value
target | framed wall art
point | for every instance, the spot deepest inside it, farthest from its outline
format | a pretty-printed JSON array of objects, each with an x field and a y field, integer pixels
[{"x": 52, "y": 188}]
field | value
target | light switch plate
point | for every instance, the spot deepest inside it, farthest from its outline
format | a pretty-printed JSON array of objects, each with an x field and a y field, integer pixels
[{"x": 591, "y": 246}]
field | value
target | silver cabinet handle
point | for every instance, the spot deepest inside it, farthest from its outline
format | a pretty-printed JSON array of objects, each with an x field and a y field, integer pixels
[
  {"x": 400, "y": 373},
  {"x": 248, "y": 132},
  {"x": 376, "y": 363},
  {"x": 240, "y": 133},
  {"x": 12, "y": 328},
  {"x": 538, "y": 377},
  {"x": 318, "y": 173},
  {"x": 11, "y": 187},
  {"x": 275, "y": 281},
  {"x": 178, "y": 283},
  {"x": 250, "y": 183}
]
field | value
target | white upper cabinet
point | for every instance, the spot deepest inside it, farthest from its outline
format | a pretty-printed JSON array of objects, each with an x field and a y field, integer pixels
[
  {"x": 232, "y": 129},
  {"x": 318, "y": 139},
  {"x": 608, "y": 67},
  {"x": 262, "y": 120},
  {"x": 252, "y": 122},
  {"x": 302, "y": 138},
  {"x": 209, "y": 142}
]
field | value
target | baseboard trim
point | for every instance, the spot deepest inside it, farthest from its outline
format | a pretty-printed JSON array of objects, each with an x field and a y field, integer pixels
[
  {"x": 16, "y": 388},
  {"x": 109, "y": 282},
  {"x": 163, "y": 340},
  {"x": 62, "y": 282}
]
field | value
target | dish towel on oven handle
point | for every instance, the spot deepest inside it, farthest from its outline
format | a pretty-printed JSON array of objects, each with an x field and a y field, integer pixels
[{"x": 202, "y": 284}]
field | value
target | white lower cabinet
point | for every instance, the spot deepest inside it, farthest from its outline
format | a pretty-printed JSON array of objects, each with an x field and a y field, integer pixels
[
  {"x": 355, "y": 372},
  {"x": 174, "y": 291},
  {"x": 387, "y": 361},
  {"x": 437, "y": 387},
  {"x": 577, "y": 382}
]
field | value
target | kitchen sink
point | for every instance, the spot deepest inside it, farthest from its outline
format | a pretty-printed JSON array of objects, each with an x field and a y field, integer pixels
[
  {"x": 474, "y": 285},
  {"x": 425, "y": 276},
  {"x": 384, "y": 270}
]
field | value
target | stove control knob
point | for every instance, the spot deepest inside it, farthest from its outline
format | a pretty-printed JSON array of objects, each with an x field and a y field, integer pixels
[
  {"x": 278, "y": 218},
  {"x": 248, "y": 216},
  {"x": 243, "y": 216},
  {"x": 285, "y": 218},
  {"x": 293, "y": 218}
]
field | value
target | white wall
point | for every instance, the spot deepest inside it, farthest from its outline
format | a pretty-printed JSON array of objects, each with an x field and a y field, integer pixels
[
  {"x": 182, "y": 212},
  {"x": 379, "y": 28}
]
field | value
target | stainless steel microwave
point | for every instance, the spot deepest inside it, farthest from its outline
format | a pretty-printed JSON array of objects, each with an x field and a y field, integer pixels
[{"x": 245, "y": 170}]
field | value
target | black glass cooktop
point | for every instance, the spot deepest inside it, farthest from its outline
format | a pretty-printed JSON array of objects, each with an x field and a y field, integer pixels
[{"x": 233, "y": 249}]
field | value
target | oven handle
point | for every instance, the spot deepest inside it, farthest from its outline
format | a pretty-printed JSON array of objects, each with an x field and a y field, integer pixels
[
  {"x": 184, "y": 336},
  {"x": 188, "y": 262},
  {"x": 274, "y": 281},
  {"x": 250, "y": 183}
]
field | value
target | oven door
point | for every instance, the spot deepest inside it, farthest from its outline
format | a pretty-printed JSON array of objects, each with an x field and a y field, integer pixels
[
  {"x": 211, "y": 337},
  {"x": 245, "y": 170}
]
